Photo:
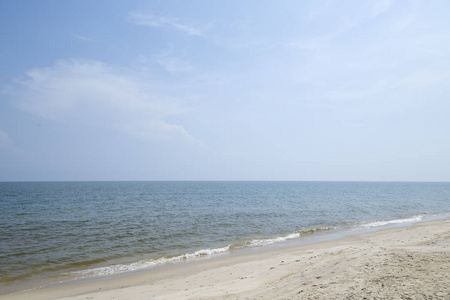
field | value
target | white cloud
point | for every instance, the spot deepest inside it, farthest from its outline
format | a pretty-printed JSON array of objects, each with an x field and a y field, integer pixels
[
  {"x": 164, "y": 22},
  {"x": 83, "y": 38},
  {"x": 172, "y": 64},
  {"x": 160, "y": 129},
  {"x": 95, "y": 93}
]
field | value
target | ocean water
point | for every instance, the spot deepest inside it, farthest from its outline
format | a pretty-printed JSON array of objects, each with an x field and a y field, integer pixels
[{"x": 54, "y": 232}]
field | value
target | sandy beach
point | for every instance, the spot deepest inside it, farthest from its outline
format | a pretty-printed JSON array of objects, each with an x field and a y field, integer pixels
[{"x": 397, "y": 263}]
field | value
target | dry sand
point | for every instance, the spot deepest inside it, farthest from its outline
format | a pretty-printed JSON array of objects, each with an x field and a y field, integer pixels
[{"x": 398, "y": 263}]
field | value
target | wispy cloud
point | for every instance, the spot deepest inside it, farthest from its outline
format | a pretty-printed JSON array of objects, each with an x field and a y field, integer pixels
[
  {"x": 164, "y": 22},
  {"x": 170, "y": 63},
  {"x": 94, "y": 93},
  {"x": 83, "y": 38},
  {"x": 173, "y": 64}
]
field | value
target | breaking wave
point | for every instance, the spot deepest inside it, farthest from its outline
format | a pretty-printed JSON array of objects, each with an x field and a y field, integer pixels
[
  {"x": 203, "y": 253},
  {"x": 397, "y": 221}
]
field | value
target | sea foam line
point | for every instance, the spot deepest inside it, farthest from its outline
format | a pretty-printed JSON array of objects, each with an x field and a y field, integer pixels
[
  {"x": 203, "y": 253},
  {"x": 396, "y": 221},
  {"x": 142, "y": 264},
  {"x": 270, "y": 241}
]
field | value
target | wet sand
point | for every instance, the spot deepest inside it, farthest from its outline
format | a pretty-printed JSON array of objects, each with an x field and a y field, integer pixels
[{"x": 398, "y": 263}]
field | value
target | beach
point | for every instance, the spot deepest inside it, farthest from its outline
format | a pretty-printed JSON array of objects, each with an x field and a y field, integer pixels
[
  {"x": 397, "y": 263},
  {"x": 200, "y": 150}
]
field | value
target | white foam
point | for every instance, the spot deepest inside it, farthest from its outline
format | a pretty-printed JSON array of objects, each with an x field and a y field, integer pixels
[
  {"x": 203, "y": 253},
  {"x": 398, "y": 221},
  {"x": 265, "y": 242},
  {"x": 121, "y": 268}
]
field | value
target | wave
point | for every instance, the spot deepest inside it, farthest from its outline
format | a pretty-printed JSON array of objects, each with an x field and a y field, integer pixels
[
  {"x": 210, "y": 252},
  {"x": 203, "y": 253},
  {"x": 396, "y": 221},
  {"x": 143, "y": 264},
  {"x": 270, "y": 241}
]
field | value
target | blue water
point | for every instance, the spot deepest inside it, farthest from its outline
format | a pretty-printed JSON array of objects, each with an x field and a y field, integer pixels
[{"x": 58, "y": 231}]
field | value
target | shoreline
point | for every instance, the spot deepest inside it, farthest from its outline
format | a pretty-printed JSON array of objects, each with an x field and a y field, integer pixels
[
  {"x": 299, "y": 238},
  {"x": 357, "y": 265}
]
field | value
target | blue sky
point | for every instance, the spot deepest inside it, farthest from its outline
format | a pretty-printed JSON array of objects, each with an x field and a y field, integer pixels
[{"x": 225, "y": 90}]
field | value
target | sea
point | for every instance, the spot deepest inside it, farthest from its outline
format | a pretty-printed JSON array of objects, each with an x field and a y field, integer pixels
[{"x": 59, "y": 232}]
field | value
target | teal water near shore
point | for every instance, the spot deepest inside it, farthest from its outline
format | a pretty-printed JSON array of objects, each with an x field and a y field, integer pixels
[{"x": 61, "y": 231}]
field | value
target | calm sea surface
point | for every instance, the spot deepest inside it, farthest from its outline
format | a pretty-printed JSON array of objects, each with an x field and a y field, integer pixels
[{"x": 59, "y": 231}]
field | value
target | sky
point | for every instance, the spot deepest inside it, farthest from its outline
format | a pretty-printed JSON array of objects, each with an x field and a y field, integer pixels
[{"x": 225, "y": 90}]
